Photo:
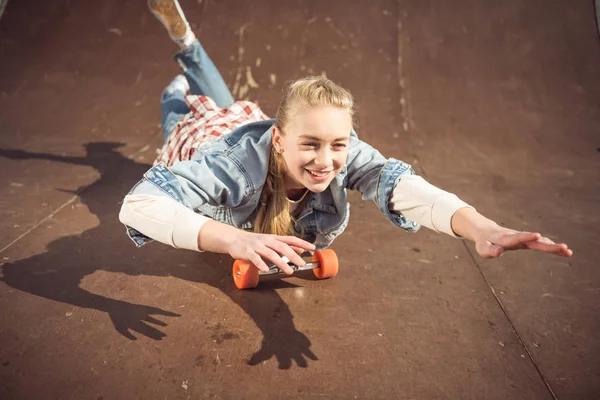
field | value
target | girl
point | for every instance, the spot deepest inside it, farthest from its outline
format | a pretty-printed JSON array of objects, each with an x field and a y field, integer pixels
[{"x": 226, "y": 166}]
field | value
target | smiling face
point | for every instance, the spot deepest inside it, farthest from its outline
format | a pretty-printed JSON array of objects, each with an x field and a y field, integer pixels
[{"x": 314, "y": 146}]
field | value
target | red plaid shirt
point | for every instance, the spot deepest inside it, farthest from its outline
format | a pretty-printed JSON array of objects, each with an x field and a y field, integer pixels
[{"x": 205, "y": 122}]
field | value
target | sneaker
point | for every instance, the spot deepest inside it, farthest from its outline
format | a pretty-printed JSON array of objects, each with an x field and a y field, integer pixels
[{"x": 169, "y": 13}]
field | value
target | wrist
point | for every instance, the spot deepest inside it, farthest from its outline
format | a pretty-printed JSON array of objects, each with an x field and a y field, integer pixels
[
  {"x": 217, "y": 237},
  {"x": 468, "y": 223}
]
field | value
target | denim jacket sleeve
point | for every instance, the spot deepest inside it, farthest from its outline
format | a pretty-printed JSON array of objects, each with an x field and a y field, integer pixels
[
  {"x": 214, "y": 180},
  {"x": 369, "y": 172},
  {"x": 204, "y": 185}
]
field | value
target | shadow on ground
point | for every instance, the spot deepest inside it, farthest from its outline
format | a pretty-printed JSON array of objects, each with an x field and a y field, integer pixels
[{"x": 57, "y": 273}]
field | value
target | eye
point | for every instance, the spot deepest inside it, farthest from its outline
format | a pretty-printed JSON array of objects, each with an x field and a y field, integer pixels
[
  {"x": 339, "y": 145},
  {"x": 311, "y": 144}
]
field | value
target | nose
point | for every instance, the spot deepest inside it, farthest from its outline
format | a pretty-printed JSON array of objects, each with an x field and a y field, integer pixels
[{"x": 324, "y": 158}]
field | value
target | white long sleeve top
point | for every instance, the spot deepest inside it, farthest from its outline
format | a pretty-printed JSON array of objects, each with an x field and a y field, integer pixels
[{"x": 169, "y": 222}]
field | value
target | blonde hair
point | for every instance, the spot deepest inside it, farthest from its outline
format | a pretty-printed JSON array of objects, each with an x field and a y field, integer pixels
[{"x": 273, "y": 214}]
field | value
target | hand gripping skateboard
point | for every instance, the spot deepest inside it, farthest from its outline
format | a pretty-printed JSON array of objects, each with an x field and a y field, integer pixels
[{"x": 324, "y": 265}]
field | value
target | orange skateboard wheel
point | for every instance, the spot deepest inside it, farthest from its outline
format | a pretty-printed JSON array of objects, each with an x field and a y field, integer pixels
[
  {"x": 328, "y": 263},
  {"x": 245, "y": 274}
]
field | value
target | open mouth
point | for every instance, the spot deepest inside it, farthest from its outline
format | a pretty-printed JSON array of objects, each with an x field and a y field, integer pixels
[
  {"x": 319, "y": 176},
  {"x": 315, "y": 173}
]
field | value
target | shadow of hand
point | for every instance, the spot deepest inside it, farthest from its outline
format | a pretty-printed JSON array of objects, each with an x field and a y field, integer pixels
[
  {"x": 285, "y": 347},
  {"x": 127, "y": 317}
]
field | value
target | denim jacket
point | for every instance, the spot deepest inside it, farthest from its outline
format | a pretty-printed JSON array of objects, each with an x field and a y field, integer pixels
[{"x": 225, "y": 178}]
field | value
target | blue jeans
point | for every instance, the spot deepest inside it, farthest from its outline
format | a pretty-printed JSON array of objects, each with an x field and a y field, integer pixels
[{"x": 204, "y": 80}]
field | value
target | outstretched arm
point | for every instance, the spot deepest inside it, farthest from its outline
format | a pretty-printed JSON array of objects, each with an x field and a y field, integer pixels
[
  {"x": 492, "y": 240},
  {"x": 421, "y": 202}
]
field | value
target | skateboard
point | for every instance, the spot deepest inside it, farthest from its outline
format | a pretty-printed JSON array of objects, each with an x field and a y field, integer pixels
[{"x": 324, "y": 265}]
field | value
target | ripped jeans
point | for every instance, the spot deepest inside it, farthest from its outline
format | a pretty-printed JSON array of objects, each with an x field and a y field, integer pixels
[{"x": 204, "y": 80}]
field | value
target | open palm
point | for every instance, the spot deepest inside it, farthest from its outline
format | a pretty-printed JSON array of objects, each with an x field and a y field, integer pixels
[{"x": 494, "y": 242}]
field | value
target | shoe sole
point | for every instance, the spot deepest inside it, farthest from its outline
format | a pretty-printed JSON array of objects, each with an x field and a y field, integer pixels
[{"x": 170, "y": 14}]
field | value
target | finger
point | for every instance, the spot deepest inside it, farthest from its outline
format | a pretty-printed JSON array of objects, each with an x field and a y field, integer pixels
[
  {"x": 164, "y": 312},
  {"x": 154, "y": 321},
  {"x": 300, "y": 361},
  {"x": 310, "y": 354},
  {"x": 539, "y": 246},
  {"x": 275, "y": 259},
  {"x": 545, "y": 240},
  {"x": 285, "y": 362},
  {"x": 258, "y": 262},
  {"x": 296, "y": 241},
  {"x": 490, "y": 250},
  {"x": 559, "y": 249},
  {"x": 566, "y": 252},
  {"x": 518, "y": 239},
  {"x": 298, "y": 249},
  {"x": 564, "y": 248},
  {"x": 262, "y": 355},
  {"x": 496, "y": 251},
  {"x": 287, "y": 251},
  {"x": 125, "y": 332},
  {"x": 148, "y": 331}
]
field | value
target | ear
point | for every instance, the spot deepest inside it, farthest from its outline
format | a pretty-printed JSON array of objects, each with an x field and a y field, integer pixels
[{"x": 276, "y": 137}]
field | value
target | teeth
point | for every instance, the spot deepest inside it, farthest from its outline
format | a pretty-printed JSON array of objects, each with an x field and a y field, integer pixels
[{"x": 318, "y": 173}]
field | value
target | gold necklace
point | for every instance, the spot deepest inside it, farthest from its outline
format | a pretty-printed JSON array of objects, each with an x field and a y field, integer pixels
[{"x": 300, "y": 199}]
